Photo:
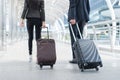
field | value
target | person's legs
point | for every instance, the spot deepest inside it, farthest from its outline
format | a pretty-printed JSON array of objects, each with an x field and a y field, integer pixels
[
  {"x": 38, "y": 27},
  {"x": 75, "y": 30},
  {"x": 30, "y": 27},
  {"x": 72, "y": 42}
]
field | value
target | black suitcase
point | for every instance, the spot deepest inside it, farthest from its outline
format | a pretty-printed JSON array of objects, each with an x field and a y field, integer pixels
[
  {"x": 46, "y": 52},
  {"x": 86, "y": 52}
]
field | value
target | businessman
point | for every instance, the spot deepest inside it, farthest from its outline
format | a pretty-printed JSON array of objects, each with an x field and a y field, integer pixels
[{"x": 78, "y": 13}]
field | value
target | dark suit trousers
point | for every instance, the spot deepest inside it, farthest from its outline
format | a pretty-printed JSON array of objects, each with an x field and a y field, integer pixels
[
  {"x": 31, "y": 23},
  {"x": 81, "y": 27}
]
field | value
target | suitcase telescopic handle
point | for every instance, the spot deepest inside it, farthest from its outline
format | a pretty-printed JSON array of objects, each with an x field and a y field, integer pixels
[
  {"x": 47, "y": 31},
  {"x": 74, "y": 33}
]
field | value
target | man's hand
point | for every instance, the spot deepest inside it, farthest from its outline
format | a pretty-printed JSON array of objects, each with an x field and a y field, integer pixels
[
  {"x": 43, "y": 24},
  {"x": 73, "y": 21},
  {"x": 22, "y": 23}
]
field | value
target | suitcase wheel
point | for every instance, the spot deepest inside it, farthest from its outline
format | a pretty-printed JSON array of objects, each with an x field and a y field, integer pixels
[
  {"x": 97, "y": 69},
  {"x": 51, "y": 66},
  {"x": 41, "y": 66},
  {"x": 82, "y": 70},
  {"x": 101, "y": 65},
  {"x": 81, "y": 67}
]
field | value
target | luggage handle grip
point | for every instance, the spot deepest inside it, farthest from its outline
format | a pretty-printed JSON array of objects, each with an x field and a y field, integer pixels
[{"x": 47, "y": 31}]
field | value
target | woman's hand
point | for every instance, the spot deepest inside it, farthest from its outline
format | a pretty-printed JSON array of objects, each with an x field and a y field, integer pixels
[
  {"x": 43, "y": 24},
  {"x": 22, "y": 23}
]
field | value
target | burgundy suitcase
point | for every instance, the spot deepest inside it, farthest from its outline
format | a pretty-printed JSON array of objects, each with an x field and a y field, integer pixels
[{"x": 46, "y": 52}]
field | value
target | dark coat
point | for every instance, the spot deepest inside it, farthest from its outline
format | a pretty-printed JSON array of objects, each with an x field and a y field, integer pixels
[
  {"x": 79, "y": 10},
  {"x": 31, "y": 12}
]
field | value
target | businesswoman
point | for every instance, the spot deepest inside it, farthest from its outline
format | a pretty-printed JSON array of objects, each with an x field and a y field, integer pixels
[{"x": 35, "y": 14}]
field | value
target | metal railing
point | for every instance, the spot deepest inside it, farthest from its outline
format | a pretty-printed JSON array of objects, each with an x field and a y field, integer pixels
[{"x": 104, "y": 33}]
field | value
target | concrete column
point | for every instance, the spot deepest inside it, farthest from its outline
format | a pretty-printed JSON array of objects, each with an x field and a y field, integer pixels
[
  {"x": 2, "y": 23},
  {"x": 15, "y": 20},
  {"x": 113, "y": 37},
  {"x": 12, "y": 19},
  {"x": 1, "y": 14}
]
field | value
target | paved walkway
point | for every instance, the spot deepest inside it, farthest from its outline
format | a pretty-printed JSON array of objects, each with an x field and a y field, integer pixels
[{"x": 14, "y": 65}]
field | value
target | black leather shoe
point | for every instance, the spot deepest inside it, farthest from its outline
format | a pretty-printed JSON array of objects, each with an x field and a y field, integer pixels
[{"x": 73, "y": 61}]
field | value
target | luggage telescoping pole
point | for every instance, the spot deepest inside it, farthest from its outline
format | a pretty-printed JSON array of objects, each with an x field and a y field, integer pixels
[
  {"x": 74, "y": 33},
  {"x": 47, "y": 32},
  {"x": 82, "y": 60}
]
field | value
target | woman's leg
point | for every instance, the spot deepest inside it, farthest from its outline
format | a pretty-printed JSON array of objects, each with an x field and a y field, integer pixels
[
  {"x": 38, "y": 27},
  {"x": 30, "y": 27}
]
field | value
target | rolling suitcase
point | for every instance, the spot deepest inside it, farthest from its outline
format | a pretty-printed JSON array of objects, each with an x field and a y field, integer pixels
[
  {"x": 46, "y": 52},
  {"x": 86, "y": 52}
]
